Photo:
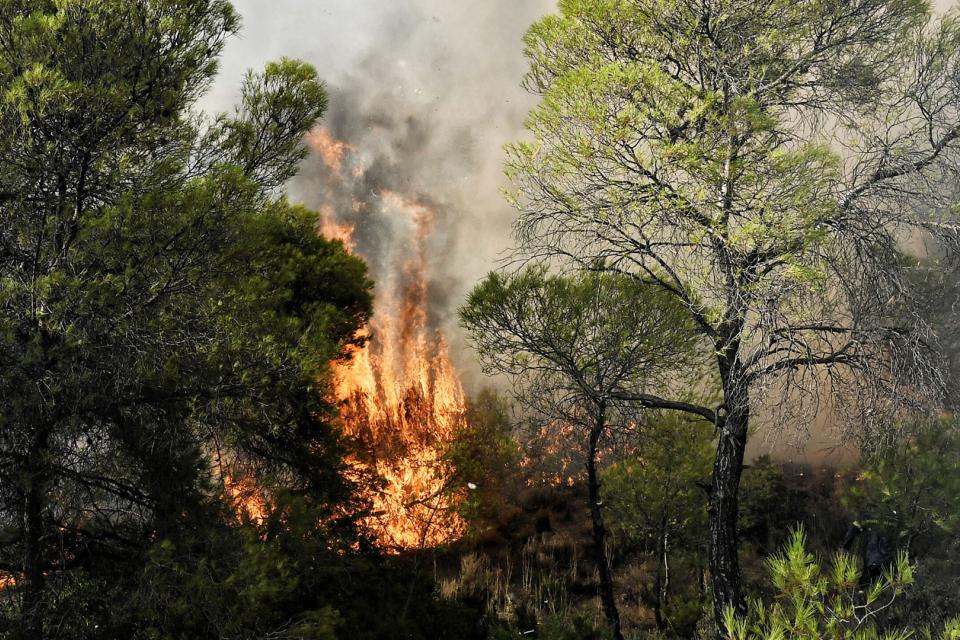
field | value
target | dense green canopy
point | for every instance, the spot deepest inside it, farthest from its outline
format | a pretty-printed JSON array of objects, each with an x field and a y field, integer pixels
[{"x": 166, "y": 316}]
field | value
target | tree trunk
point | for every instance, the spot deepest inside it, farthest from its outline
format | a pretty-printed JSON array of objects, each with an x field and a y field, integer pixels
[
  {"x": 662, "y": 582},
  {"x": 599, "y": 530},
  {"x": 33, "y": 569},
  {"x": 728, "y": 466}
]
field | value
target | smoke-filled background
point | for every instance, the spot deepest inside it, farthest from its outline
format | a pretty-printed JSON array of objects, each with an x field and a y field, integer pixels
[{"x": 425, "y": 93}]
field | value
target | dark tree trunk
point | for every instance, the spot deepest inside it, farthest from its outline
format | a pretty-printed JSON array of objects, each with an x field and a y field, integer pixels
[
  {"x": 727, "y": 469},
  {"x": 662, "y": 582},
  {"x": 34, "y": 492},
  {"x": 599, "y": 530}
]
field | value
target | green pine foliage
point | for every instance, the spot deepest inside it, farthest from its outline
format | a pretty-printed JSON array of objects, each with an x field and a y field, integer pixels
[
  {"x": 762, "y": 163},
  {"x": 827, "y": 602},
  {"x": 167, "y": 318},
  {"x": 485, "y": 456},
  {"x": 658, "y": 492},
  {"x": 911, "y": 490},
  {"x": 657, "y": 504}
]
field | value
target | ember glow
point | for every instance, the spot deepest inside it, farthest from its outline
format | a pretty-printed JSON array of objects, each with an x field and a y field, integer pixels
[
  {"x": 248, "y": 498},
  {"x": 400, "y": 396},
  {"x": 7, "y": 580}
]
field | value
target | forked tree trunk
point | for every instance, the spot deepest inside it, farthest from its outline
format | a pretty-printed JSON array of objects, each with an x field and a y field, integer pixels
[
  {"x": 727, "y": 469},
  {"x": 599, "y": 530}
]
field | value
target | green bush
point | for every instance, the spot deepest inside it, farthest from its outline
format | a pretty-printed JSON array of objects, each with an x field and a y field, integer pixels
[{"x": 814, "y": 602}]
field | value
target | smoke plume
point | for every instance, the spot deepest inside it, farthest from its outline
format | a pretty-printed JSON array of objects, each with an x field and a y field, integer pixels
[{"x": 424, "y": 93}]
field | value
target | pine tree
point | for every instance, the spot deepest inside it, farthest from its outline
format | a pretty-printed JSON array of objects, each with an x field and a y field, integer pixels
[{"x": 166, "y": 316}]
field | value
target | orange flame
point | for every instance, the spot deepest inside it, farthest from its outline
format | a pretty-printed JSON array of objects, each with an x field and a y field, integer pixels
[
  {"x": 400, "y": 395},
  {"x": 239, "y": 487},
  {"x": 248, "y": 497},
  {"x": 329, "y": 228},
  {"x": 330, "y": 149}
]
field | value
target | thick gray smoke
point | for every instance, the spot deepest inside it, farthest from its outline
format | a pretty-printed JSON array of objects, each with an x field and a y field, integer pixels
[{"x": 427, "y": 92}]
